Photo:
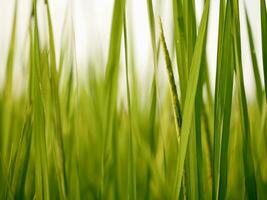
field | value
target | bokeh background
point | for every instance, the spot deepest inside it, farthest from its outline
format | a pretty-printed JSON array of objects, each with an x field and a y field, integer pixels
[{"x": 91, "y": 23}]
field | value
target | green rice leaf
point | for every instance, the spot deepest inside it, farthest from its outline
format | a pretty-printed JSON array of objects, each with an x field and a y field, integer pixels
[
  {"x": 131, "y": 158},
  {"x": 175, "y": 99},
  {"x": 254, "y": 64},
  {"x": 225, "y": 98},
  {"x": 111, "y": 79},
  {"x": 190, "y": 98},
  {"x": 250, "y": 179},
  {"x": 264, "y": 39}
]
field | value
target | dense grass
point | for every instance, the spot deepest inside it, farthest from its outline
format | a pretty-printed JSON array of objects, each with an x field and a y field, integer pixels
[{"x": 63, "y": 138}]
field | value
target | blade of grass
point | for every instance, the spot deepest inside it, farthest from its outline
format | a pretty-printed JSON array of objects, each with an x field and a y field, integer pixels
[
  {"x": 22, "y": 157},
  {"x": 254, "y": 64},
  {"x": 190, "y": 98},
  {"x": 41, "y": 168},
  {"x": 198, "y": 133},
  {"x": 264, "y": 39},
  {"x": 180, "y": 46},
  {"x": 56, "y": 109},
  {"x": 190, "y": 29},
  {"x": 5, "y": 190},
  {"x": 111, "y": 79},
  {"x": 191, "y": 176},
  {"x": 8, "y": 90},
  {"x": 225, "y": 133},
  {"x": 218, "y": 102},
  {"x": 154, "y": 92},
  {"x": 250, "y": 180},
  {"x": 175, "y": 99},
  {"x": 225, "y": 98},
  {"x": 208, "y": 110},
  {"x": 131, "y": 159}
]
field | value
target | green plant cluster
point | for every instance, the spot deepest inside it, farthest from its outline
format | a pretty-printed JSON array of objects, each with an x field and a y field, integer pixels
[{"x": 63, "y": 138}]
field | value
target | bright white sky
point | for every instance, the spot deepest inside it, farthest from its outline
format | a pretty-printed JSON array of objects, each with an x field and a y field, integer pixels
[{"x": 92, "y": 25}]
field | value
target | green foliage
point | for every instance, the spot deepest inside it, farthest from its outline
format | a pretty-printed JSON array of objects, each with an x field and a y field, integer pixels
[{"x": 64, "y": 138}]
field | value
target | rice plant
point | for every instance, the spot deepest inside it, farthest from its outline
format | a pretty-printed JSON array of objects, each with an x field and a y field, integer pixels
[{"x": 62, "y": 137}]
